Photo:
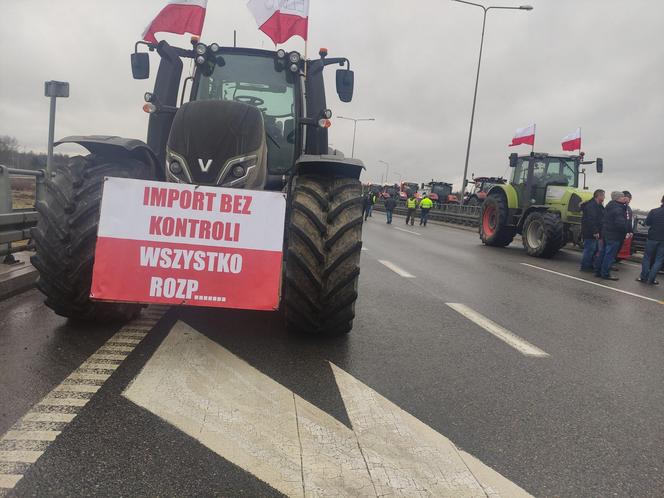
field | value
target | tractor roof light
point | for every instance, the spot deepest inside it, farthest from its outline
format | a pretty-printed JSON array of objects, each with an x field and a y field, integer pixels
[
  {"x": 200, "y": 49},
  {"x": 214, "y": 48},
  {"x": 281, "y": 53},
  {"x": 200, "y": 60},
  {"x": 294, "y": 57},
  {"x": 294, "y": 68},
  {"x": 322, "y": 52},
  {"x": 148, "y": 96},
  {"x": 149, "y": 108},
  {"x": 327, "y": 113}
]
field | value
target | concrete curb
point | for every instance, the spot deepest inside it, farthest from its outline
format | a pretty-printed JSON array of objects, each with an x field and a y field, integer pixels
[{"x": 18, "y": 277}]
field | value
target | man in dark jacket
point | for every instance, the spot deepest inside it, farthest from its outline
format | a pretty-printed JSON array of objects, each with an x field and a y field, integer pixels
[
  {"x": 390, "y": 204},
  {"x": 614, "y": 230},
  {"x": 591, "y": 228},
  {"x": 653, "y": 259}
]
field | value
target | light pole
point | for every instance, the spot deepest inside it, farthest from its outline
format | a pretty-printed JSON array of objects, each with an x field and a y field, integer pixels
[
  {"x": 355, "y": 121},
  {"x": 387, "y": 169},
  {"x": 477, "y": 78},
  {"x": 53, "y": 89}
]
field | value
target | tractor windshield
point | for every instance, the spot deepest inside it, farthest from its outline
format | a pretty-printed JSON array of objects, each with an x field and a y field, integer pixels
[{"x": 253, "y": 80}]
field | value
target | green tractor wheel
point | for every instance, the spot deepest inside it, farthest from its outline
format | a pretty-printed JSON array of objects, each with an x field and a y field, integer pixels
[
  {"x": 543, "y": 234},
  {"x": 494, "y": 229}
]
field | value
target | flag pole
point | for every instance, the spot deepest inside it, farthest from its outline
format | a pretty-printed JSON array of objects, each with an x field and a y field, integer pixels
[{"x": 534, "y": 137}]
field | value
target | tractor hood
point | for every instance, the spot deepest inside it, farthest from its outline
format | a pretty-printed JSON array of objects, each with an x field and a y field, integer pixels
[
  {"x": 214, "y": 142},
  {"x": 567, "y": 200}
]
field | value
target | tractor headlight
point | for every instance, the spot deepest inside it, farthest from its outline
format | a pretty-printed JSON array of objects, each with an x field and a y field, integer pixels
[
  {"x": 200, "y": 48},
  {"x": 281, "y": 53},
  {"x": 294, "y": 68},
  {"x": 294, "y": 57},
  {"x": 327, "y": 113},
  {"x": 175, "y": 168},
  {"x": 200, "y": 60},
  {"x": 148, "y": 97},
  {"x": 214, "y": 48},
  {"x": 238, "y": 171}
]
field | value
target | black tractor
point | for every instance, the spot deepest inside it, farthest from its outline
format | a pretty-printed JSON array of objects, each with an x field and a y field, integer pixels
[{"x": 261, "y": 116}]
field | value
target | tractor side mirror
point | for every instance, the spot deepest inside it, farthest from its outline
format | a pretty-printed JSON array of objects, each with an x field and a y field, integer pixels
[
  {"x": 140, "y": 65},
  {"x": 345, "y": 84},
  {"x": 600, "y": 165},
  {"x": 514, "y": 157}
]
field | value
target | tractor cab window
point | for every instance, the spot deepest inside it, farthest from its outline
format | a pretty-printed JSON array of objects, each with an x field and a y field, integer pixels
[
  {"x": 521, "y": 172},
  {"x": 561, "y": 171},
  {"x": 253, "y": 80}
]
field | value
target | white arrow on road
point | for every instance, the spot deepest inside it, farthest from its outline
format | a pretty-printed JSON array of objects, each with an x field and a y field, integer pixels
[{"x": 257, "y": 424}]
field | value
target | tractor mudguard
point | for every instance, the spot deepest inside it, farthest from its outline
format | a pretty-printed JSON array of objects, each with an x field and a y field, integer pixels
[
  {"x": 510, "y": 194},
  {"x": 329, "y": 165},
  {"x": 112, "y": 146}
]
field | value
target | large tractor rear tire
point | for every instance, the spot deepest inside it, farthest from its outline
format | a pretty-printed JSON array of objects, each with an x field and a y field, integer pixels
[
  {"x": 66, "y": 235},
  {"x": 543, "y": 234},
  {"x": 323, "y": 255},
  {"x": 494, "y": 228}
]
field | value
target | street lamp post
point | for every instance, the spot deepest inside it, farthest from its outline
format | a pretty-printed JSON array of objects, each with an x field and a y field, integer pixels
[
  {"x": 477, "y": 79},
  {"x": 53, "y": 90},
  {"x": 387, "y": 169},
  {"x": 355, "y": 121}
]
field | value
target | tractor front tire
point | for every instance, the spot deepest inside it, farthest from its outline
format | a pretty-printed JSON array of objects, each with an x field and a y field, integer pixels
[
  {"x": 543, "y": 234},
  {"x": 323, "y": 255},
  {"x": 494, "y": 228},
  {"x": 66, "y": 235}
]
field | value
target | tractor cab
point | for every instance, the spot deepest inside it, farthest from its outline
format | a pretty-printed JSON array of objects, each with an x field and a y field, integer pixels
[
  {"x": 275, "y": 91},
  {"x": 441, "y": 193},
  {"x": 538, "y": 178}
]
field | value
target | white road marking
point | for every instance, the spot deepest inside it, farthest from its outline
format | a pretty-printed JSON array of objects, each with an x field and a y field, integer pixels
[
  {"x": 521, "y": 345},
  {"x": 9, "y": 480},
  {"x": 396, "y": 269},
  {"x": 407, "y": 231},
  {"x": 48, "y": 417},
  {"x": 597, "y": 284},
  {"x": 21, "y": 456},
  {"x": 218, "y": 399},
  {"x": 30, "y": 435},
  {"x": 71, "y": 386}
]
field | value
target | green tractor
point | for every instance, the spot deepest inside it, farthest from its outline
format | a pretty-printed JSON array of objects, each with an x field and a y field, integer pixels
[{"x": 542, "y": 202}]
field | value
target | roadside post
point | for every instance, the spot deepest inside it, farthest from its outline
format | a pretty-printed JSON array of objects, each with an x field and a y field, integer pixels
[{"x": 53, "y": 89}]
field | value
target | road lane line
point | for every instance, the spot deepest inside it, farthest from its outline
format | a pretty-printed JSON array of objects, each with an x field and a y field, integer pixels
[
  {"x": 9, "y": 480},
  {"x": 125, "y": 340},
  {"x": 30, "y": 435},
  {"x": 407, "y": 231},
  {"x": 597, "y": 284},
  {"x": 521, "y": 345},
  {"x": 396, "y": 269},
  {"x": 48, "y": 417},
  {"x": 20, "y": 456}
]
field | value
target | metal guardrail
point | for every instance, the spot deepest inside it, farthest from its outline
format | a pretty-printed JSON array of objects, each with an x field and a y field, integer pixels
[
  {"x": 15, "y": 224},
  {"x": 447, "y": 213}
]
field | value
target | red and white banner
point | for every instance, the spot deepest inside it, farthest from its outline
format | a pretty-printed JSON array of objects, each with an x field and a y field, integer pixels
[
  {"x": 524, "y": 136},
  {"x": 572, "y": 141},
  {"x": 179, "y": 17},
  {"x": 184, "y": 244},
  {"x": 281, "y": 19}
]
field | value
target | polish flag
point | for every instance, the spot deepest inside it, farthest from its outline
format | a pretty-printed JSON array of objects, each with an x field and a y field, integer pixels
[
  {"x": 281, "y": 19},
  {"x": 572, "y": 141},
  {"x": 524, "y": 136},
  {"x": 179, "y": 17}
]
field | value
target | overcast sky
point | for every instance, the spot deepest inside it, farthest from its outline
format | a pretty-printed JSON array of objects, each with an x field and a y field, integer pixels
[{"x": 597, "y": 64}]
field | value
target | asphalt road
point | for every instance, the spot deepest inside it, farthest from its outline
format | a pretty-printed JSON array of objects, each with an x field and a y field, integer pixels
[{"x": 585, "y": 418}]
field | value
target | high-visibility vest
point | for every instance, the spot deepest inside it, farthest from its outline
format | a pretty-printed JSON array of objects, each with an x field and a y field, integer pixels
[
  {"x": 411, "y": 203},
  {"x": 426, "y": 203}
]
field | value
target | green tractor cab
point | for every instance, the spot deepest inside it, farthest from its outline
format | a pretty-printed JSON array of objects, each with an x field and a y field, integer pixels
[{"x": 542, "y": 202}]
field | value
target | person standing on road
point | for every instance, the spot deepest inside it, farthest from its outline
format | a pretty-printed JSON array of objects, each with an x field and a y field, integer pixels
[
  {"x": 653, "y": 258},
  {"x": 614, "y": 230},
  {"x": 425, "y": 206},
  {"x": 591, "y": 231},
  {"x": 625, "y": 251},
  {"x": 369, "y": 201},
  {"x": 411, "y": 206},
  {"x": 390, "y": 204}
]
